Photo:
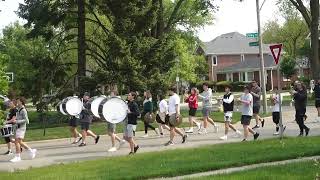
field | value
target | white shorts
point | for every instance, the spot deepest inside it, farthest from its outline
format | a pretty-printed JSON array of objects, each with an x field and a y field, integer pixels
[
  {"x": 20, "y": 133},
  {"x": 228, "y": 116}
]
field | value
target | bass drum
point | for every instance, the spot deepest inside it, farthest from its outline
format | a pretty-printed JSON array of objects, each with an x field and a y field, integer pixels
[
  {"x": 113, "y": 110},
  {"x": 94, "y": 103},
  {"x": 72, "y": 106}
]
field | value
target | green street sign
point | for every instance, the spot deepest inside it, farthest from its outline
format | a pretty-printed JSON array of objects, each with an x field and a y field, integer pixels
[
  {"x": 253, "y": 43},
  {"x": 252, "y": 35}
]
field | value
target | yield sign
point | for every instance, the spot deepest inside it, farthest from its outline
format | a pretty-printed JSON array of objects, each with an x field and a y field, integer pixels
[{"x": 275, "y": 56}]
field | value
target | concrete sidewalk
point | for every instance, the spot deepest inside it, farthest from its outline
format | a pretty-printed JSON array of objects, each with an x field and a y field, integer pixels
[{"x": 61, "y": 151}]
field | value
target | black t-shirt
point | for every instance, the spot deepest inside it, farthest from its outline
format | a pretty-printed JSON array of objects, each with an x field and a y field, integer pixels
[
  {"x": 12, "y": 113},
  {"x": 134, "y": 112}
]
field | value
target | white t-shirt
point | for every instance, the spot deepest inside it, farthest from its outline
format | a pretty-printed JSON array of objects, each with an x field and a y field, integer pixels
[
  {"x": 173, "y": 101},
  {"x": 163, "y": 106},
  {"x": 247, "y": 109},
  {"x": 276, "y": 107}
]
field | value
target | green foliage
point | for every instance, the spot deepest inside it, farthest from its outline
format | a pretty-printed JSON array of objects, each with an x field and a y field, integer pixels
[
  {"x": 288, "y": 66},
  {"x": 3, "y": 80}
]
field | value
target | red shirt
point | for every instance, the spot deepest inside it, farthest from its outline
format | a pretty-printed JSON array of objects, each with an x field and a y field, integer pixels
[{"x": 193, "y": 101}]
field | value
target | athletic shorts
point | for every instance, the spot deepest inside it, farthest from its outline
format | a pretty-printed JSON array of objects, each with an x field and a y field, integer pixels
[
  {"x": 7, "y": 139},
  {"x": 173, "y": 121},
  {"x": 317, "y": 103},
  {"x": 206, "y": 111},
  {"x": 129, "y": 130},
  {"x": 20, "y": 132},
  {"x": 256, "y": 109},
  {"x": 245, "y": 120},
  {"x": 73, "y": 122},
  {"x": 192, "y": 112},
  {"x": 111, "y": 127},
  {"x": 85, "y": 126},
  {"x": 228, "y": 116},
  {"x": 276, "y": 117}
]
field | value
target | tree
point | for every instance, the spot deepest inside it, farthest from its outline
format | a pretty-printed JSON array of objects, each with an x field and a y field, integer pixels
[
  {"x": 288, "y": 66},
  {"x": 3, "y": 79},
  {"x": 311, "y": 17}
]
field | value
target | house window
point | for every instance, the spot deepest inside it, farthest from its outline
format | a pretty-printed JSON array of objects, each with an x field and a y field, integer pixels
[
  {"x": 242, "y": 76},
  {"x": 242, "y": 57},
  {"x": 250, "y": 76},
  {"x": 229, "y": 76},
  {"x": 214, "y": 60}
]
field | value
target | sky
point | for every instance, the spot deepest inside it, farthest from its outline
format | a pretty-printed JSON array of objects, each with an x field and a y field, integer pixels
[{"x": 232, "y": 16}]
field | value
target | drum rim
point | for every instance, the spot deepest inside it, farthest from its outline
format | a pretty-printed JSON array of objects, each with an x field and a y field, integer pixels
[{"x": 92, "y": 99}]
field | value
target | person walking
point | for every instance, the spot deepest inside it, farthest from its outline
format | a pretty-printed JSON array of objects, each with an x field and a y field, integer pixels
[
  {"x": 11, "y": 118},
  {"x": 317, "y": 98},
  {"x": 85, "y": 121},
  {"x": 300, "y": 104},
  {"x": 73, "y": 123},
  {"x": 148, "y": 110},
  {"x": 174, "y": 116},
  {"x": 131, "y": 123},
  {"x": 275, "y": 100},
  {"x": 247, "y": 111},
  {"x": 256, "y": 93},
  {"x": 228, "y": 105},
  {"x": 21, "y": 121},
  {"x": 207, "y": 108},
  {"x": 162, "y": 116},
  {"x": 192, "y": 101}
]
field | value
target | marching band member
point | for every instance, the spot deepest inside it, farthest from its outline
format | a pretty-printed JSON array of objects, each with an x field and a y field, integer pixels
[
  {"x": 85, "y": 120},
  {"x": 131, "y": 122},
  {"x": 22, "y": 121},
  {"x": 73, "y": 123},
  {"x": 148, "y": 108},
  {"x": 228, "y": 105},
  {"x": 162, "y": 117},
  {"x": 192, "y": 101},
  {"x": 11, "y": 118}
]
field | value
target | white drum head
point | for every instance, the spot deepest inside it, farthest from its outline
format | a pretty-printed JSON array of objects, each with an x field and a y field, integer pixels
[
  {"x": 73, "y": 106},
  {"x": 114, "y": 110},
  {"x": 95, "y": 105}
]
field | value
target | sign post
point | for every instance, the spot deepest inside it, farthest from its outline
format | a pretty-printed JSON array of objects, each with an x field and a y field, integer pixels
[{"x": 276, "y": 58}]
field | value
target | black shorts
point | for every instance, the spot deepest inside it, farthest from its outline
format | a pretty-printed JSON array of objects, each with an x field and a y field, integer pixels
[
  {"x": 85, "y": 126},
  {"x": 192, "y": 112},
  {"x": 256, "y": 109},
  {"x": 73, "y": 122},
  {"x": 7, "y": 139},
  {"x": 317, "y": 103},
  {"x": 276, "y": 117},
  {"x": 245, "y": 120}
]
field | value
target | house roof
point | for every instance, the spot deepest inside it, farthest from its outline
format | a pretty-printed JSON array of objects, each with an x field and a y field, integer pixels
[
  {"x": 232, "y": 43},
  {"x": 249, "y": 64}
]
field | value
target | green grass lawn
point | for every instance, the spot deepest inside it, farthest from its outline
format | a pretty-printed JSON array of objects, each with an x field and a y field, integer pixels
[
  {"x": 295, "y": 171},
  {"x": 176, "y": 162}
]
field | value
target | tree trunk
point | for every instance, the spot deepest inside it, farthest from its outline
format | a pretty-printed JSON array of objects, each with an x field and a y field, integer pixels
[
  {"x": 315, "y": 68},
  {"x": 81, "y": 45}
]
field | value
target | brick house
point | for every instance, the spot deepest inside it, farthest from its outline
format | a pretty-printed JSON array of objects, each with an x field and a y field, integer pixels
[{"x": 230, "y": 58}]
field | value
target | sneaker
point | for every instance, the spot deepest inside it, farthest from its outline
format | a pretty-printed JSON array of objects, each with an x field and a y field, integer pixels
[
  {"x": 203, "y": 131},
  {"x": 243, "y": 140},
  {"x": 256, "y": 135},
  {"x": 9, "y": 152},
  {"x": 15, "y": 159},
  {"x": 224, "y": 137},
  {"x": 157, "y": 131},
  {"x": 237, "y": 134},
  {"x": 121, "y": 143},
  {"x": 131, "y": 153},
  {"x": 276, "y": 133},
  {"x": 82, "y": 144},
  {"x": 145, "y": 136},
  {"x": 262, "y": 123},
  {"x": 169, "y": 143},
  {"x": 80, "y": 138},
  {"x": 307, "y": 131},
  {"x": 184, "y": 138},
  {"x": 256, "y": 127},
  {"x": 32, "y": 153},
  {"x": 216, "y": 128},
  {"x": 199, "y": 125},
  {"x": 113, "y": 149},
  {"x": 136, "y": 148},
  {"x": 97, "y": 139},
  {"x": 190, "y": 130},
  {"x": 301, "y": 134}
]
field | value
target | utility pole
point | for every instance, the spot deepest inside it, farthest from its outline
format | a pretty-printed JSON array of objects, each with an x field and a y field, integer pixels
[{"x": 262, "y": 70}]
